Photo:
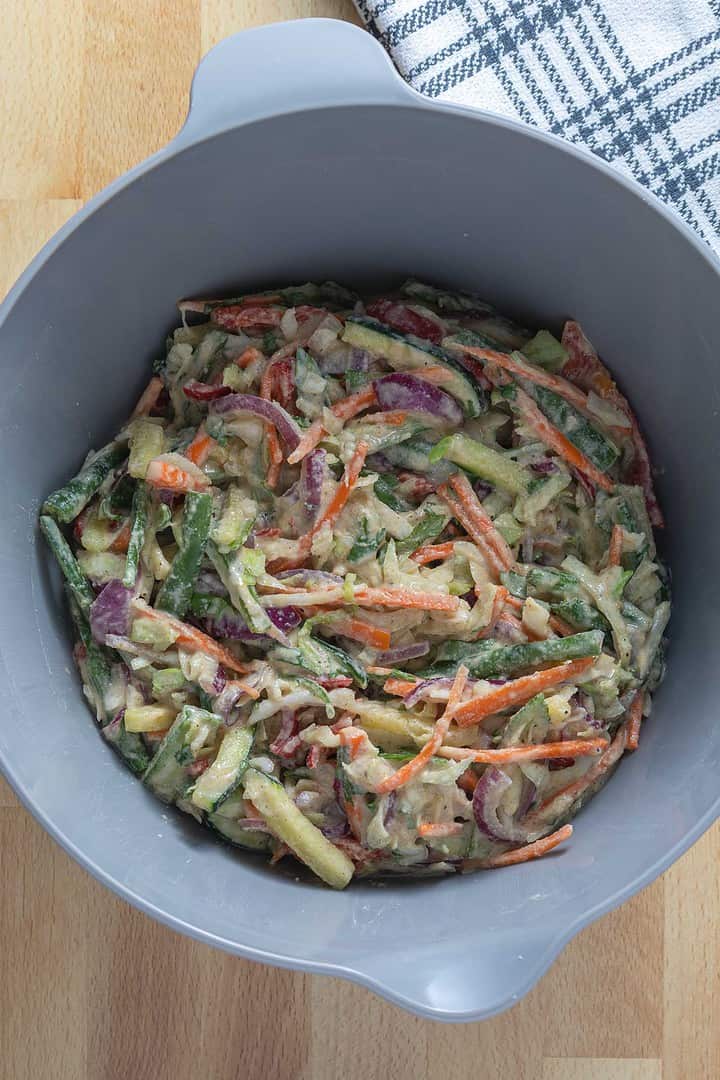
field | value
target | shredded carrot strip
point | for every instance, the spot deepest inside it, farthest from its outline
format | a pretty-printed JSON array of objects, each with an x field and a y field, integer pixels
[
  {"x": 200, "y": 448},
  {"x": 533, "y": 374},
  {"x": 458, "y": 511},
  {"x": 364, "y": 595},
  {"x": 512, "y": 620},
  {"x": 195, "y": 641},
  {"x": 499, "y": 600},
  {"x": 519, "y": 691},
  {"x": 635, "y": 720},
  {"x": 558, "y": 625},
  {"x": 354, "y": 404},
  {"x": 170, "y": 477},
  {"x": 354, "y": 738},
  {"x": 248, "y": 357},
  {"x": 562, "y": 800},
  {"x": 275, "y": 453},
  {"x": 342, "y": 410},
  {"x": 530, "y": 851},
  {"x": 342, "y": 493},
  {"x": 616, "y": 546},
  {"x": 358, "y": 630},
  {"x": 506, "y": 755},
  {"x": 353, "y": 813},
  {"x": 468, "y": 781},
  {"x": 439, "y": 829},
  {"x": 433, "y": 552},
  {"x": 244, "y": 688},
  {"x": 398, "y": 687},
  {"x": 122, "y": 541},
  {"x": 435, "y": 374},
  {"x": 416, "y": 765},
  {"x": 148, "y": 398},
  {"x": 275, "y": 456},
  {"x": 558, "y": 442},
  {"x": 396, "y": 596},
  {"x": 463, "y": 489},
  {"x": 393, "y": 417},
  {"x": 466, "y": 507}
]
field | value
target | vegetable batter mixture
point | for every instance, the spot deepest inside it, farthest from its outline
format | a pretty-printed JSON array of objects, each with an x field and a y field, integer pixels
[{"x": 370, "y": 583}]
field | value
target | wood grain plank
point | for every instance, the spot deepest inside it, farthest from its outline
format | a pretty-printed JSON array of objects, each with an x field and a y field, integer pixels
[
  {"x": 171, "y": 1003},
  {"x": 354, "y": 1034},
  {"x": 25, "y": 225},
  {"x": 43, "y": 1000},
  {"x": 601, "y": 1069},
  {"x": 138, "y": 64},
  {"x": 40, "y": 90},
  {"x": 7, "y": 797},
  {"x": 692, "y": 963},
  {"x": 622, "y": 951},
  {"x": 222, "y": 17},
  {"x": 509, "y": 1045}
]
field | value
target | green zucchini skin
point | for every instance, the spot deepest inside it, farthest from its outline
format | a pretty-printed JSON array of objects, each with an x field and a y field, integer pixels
[{"x": 405, "y": 353}]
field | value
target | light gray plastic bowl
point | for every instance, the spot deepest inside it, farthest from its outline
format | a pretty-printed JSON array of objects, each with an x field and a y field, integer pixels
[{"x": 305, "y": 156}]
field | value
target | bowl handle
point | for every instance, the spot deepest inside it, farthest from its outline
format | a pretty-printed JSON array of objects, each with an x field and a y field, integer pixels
[{"x": 284, "y": 67}]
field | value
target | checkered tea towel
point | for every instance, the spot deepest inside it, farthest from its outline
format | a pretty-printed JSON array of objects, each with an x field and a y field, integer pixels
[{"x": 636, "y": 81}]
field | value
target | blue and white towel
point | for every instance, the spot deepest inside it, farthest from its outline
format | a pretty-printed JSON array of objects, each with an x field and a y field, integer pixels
[{"x": 636, "y": 81}]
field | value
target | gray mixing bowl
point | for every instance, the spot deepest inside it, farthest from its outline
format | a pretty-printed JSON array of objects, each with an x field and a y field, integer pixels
[{"x": 305, "y": 156}]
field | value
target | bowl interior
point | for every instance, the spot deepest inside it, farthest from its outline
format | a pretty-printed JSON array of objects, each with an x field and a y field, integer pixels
[{"x": 362, "y": 195}]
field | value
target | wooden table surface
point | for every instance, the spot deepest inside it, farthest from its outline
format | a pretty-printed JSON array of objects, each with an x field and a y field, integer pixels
[{"x": 93, "y": 990}]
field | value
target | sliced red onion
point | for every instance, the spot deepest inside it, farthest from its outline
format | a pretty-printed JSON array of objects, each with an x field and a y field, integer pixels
[
  {"x": 392, "y": 657},
  {"x": 360, "y": 360},
  {"x": 380, "y": 463},
  {"x": 334, "y": 832},
  {"x": 219, "y": 680},
  {"x": 312, "y": 475},
  {"x": 228, "y": 698},
  {"x": 401, "y": 390},
  {"x": 336, "y": 361},
  {"x": 487, "y": 798},
  {"x": 230, "y": 624},
  {"x": 422, "y": 689},
  {"x": 544, "y": 467},
  {"x": 286, "y": 741},
  {"x": 198, "y": 391},
  {"x": 390, "y": 808},
  {"x": 585, "y": 484},
  {"x": 406, "y": 320},
  {"x": 288, "y": 430},
  {"x": 339, "y": 682},
  {"x": 482, "y": 489},
  {"x": 284, "y": 618},
  {"x": 110, "y": 612}
]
